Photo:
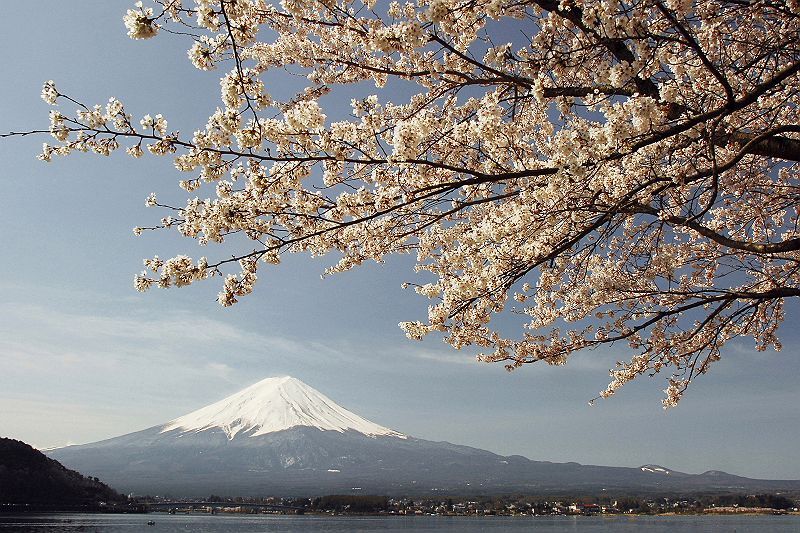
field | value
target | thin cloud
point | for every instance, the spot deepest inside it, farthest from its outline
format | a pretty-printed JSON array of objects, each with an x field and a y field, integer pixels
[
  {"x": 43, "y": 333},
  {"x": 460, "y": 358}
]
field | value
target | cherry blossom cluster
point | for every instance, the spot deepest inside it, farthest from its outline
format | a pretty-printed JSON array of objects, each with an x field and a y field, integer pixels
[{"x": 600, "y": 171}]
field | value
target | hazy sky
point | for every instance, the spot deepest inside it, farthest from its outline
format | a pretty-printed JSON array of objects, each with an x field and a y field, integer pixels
[{"x": 83, "y": 356}]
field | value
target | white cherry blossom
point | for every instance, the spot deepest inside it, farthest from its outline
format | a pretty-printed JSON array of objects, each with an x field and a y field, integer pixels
[{"x": 609, "y": 172}]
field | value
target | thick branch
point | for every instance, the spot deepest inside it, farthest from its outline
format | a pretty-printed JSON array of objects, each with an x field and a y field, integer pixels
[
  {"x": 775, "y": 146},
  {"x": 789, "y": 245}
]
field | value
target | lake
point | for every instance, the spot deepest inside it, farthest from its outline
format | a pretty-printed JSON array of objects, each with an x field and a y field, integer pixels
[{"x": 98, "y": 523}]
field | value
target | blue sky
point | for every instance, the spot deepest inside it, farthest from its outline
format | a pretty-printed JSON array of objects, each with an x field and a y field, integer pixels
[{"x": 83, "y": 356}]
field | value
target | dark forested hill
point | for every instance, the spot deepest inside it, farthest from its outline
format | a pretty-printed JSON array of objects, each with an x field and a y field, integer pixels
[{"x": 27, "y": 476}]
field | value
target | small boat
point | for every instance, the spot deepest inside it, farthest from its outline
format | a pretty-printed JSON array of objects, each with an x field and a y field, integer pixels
[{"x": 151, "y": 523}]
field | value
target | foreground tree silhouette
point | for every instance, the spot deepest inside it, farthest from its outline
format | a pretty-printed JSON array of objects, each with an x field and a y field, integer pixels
[{"x": 629, "y": 168}]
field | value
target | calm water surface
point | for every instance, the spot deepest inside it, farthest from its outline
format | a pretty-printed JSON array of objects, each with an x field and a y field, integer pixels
[{"x": 87, "y": 523}]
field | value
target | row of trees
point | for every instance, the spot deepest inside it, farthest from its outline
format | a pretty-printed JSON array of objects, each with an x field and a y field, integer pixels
[{"x": 611, "y": 172}]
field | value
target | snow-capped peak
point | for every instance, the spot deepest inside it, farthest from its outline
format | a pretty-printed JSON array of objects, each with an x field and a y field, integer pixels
[{"x": 276, "y": 404}]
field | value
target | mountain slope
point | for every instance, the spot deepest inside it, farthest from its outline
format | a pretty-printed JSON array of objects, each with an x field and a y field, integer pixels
[
  {"x": 27, "y": 476},
  {"x": 282, "y": 437}
]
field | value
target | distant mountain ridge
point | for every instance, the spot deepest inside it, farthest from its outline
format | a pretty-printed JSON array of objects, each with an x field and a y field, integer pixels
[
  {"x": 282, "y": 437},
  {"x": 27, "y": 476}
]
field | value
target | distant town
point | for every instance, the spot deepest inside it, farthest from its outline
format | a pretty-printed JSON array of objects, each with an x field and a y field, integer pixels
[{"x": 484, "y": 506}]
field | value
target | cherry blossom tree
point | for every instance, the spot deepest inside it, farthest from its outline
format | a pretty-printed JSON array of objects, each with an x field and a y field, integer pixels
[{"x": 620, "y": 172}]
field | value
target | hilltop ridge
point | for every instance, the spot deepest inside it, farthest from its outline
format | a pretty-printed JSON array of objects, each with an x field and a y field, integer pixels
[{"x": 27, "y": 476}]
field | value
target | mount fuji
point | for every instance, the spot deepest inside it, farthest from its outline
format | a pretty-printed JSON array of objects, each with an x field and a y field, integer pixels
[
  {"x": 282, "y": 437},
  {"x": 272, "y": 405}
]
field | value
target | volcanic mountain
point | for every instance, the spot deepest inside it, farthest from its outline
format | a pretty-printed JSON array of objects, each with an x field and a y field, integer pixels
[{"x": 282, "y": 437}]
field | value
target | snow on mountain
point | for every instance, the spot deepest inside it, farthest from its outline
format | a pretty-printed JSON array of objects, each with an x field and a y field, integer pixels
[
  {"x": 276, "y": 404},
  {"x": 266, "y": 439},
  {"x": 655, "y": 469}
]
